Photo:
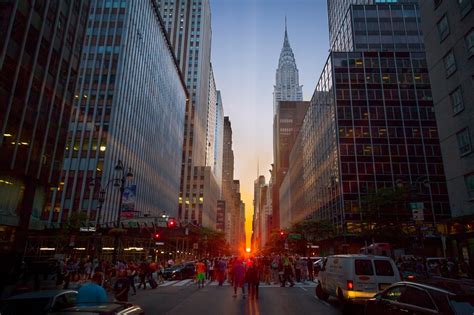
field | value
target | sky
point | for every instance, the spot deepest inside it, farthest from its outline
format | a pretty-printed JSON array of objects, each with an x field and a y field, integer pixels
[{"x": 247, "y": 37}]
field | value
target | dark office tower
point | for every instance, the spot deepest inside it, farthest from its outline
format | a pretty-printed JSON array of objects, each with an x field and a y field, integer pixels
[
  {"x": 390, "y": 26},
  {"x": 188, "y": 23},
  {"x": 288, "y": 120},
  {"x": 370, "y": 125},
  {"x": 449, "y": 39},
  {"x": 287, "y": 88},
  {"x": 129, "y": 106},
  {"x": 40, "y": 48},
  {"x": 228, "y": 173},
  {"x": 373, "y": 116}
]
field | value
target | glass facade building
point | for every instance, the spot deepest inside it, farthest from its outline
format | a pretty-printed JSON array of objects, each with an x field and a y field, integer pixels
[
  {"x": 40, "y": 49},
  {"x": 188, "y": 23},
  {"x": 371, "y": 124},
  {"x": 382, "y": 27},
  {"x": 373, "y": 114},
  {"x": 129, "y": 105}
]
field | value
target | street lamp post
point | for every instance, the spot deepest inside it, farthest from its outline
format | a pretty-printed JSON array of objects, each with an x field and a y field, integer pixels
[{"x": 119, "y": 181}]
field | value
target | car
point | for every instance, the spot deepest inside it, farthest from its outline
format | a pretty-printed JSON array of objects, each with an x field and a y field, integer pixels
[
  {"x": 180, "y": 272},
  {"x": 109, "y": 309},
  {"x": 417, "y": 298},
  {"x": 355, "y": 278},
  {"x": 38, "y": 302}
]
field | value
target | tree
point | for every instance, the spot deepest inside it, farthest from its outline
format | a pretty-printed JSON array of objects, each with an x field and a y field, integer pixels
[
  {"x": 314, "y": 230},
  {"x": 382, "y": 215}
]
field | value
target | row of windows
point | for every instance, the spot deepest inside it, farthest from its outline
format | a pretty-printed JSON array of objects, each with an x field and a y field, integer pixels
[
  {"x": 383, "y": 132},
  {"x": 387, "y": 112},
  {"x": 387, "y": 94},
  {"x": 385, "y": 150}
]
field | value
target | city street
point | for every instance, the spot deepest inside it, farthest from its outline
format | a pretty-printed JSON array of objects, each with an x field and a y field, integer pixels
[{"x": 183, "y": 297}]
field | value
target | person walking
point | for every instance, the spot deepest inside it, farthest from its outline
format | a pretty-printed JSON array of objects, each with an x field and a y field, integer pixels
[
  {"x": 238, "y": 274},
  {"x": 221, "y": 271},
  {"x": 143, "y": 274},
  {"x": 201, "y": 273},
  {"x": 253, "y": 279},
  {"x": 122, "y": 287},
  {"x": 287, "y": 271},
  {"x": 297, "y": 267},
  {"x": 310, "y": 269},
  {"x": 132, "y": 273}
]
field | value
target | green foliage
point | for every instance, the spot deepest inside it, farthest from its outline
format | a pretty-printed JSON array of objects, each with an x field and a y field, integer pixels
[
  {"x": 385, "y": 204},
  {"x": 383, "y": 211},
  {"x": 314, "y": 230}
]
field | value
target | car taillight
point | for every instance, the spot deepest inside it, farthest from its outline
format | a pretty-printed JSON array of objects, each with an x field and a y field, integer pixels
[
  {"x": 350, "y": 285},
  {"x": 411, "y": 277}
]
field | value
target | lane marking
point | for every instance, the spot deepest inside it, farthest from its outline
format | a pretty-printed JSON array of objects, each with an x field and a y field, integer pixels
[
  {"x": 183, "y": 282},
  {"x": 169, "y": 283},
  {"x": 302, "y": 288}
]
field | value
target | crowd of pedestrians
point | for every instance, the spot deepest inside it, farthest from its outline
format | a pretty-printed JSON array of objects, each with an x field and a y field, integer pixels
[
  {"x": 120, "y": 278},
  {"x": 241, "y": 272}
]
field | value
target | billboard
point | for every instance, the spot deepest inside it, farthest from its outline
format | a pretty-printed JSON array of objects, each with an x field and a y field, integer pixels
[{"x": 128, "y": 202}]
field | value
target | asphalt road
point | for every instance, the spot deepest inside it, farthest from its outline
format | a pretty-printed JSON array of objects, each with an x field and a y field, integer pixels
[{"x": 183, "y": 297}]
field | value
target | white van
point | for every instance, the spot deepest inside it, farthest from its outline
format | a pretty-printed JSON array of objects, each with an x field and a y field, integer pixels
[{"x": 355, "y": 277}]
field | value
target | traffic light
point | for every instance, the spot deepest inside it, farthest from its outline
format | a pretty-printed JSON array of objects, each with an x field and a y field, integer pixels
[
  {"x": 172, "y": 223},
  {"x": 282, "y": 234},
  {"x": 156, "y": 236}
]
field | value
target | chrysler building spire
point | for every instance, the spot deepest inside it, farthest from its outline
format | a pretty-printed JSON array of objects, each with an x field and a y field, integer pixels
[{"x": 287, "y": 87}]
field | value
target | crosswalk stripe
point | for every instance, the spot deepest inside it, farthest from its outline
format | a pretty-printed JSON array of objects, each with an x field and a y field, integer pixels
[
  {"x": 189, "y": 282},
  {"x": 169, "y": 283},
  {"x": 183, "y": 282}
]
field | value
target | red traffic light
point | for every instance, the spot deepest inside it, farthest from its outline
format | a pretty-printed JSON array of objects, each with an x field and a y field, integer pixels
[
  {"x": 172, "y": 223},
  {"x": 282, "y": 233},
  {"x": 156, "y": 235}
]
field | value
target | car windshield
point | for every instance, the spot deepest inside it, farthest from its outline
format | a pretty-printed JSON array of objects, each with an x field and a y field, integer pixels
[
  {"x": 462, "y": 304},
  {"x": 25, "y": 306}
]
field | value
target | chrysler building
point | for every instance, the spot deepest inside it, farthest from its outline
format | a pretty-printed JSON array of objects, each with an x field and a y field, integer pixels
[{"x": 287, "y": 87}]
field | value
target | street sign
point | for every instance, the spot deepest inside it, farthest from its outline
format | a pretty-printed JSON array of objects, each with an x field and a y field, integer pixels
[
  {"x": 294, "y": 236},
  {"x": 160, "y": 243},
  {"x": 314, "y": 246},
  {"x": 418, "y": 211},
  {"x": 87, "y": 229}
]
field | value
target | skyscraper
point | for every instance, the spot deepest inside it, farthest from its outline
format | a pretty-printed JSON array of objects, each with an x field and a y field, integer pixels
[
  {"x": 40, "y": 49},
  {"x": 219, "y": 140},
  {"x": 228, "y": 175},
  {"x": 214, "y": 130},
  {"x": 287, "y": 88},
  {"x": 287, "y": 85},
  {"x": 449, "y": 39},
  {"x": 370, "y": 126},
  {"x": 188, "y": 24},
  {"x": 129, "y": 106}
]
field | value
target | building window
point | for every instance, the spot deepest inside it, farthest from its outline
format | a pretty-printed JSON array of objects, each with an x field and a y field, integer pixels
[
  {"x": 465, "y": 6},
  {"x": 443, "y": 28},
  {"x": 449, "y": 63},
  {"x": 464, "y": 141},
  {"x": 470, "y": 43},
  {"x": 469, "y": 178},
  {"x": 457, "y": 102}
]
